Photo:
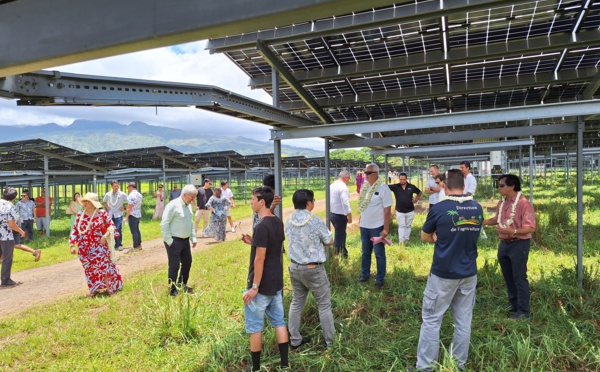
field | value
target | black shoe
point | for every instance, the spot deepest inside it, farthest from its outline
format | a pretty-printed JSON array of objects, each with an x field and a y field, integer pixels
[
  {"x": 187, "y": 289},
  {"x": 10, "y": 283},
  {"x": 379, "y": 286},
  {"x": 363, "y": 279},
  {"x": 174, "y": 292},
  {"x": 304, "y": 341},
  {"x": 511, "y": 308},
  {"x": 520, "y": 315}
]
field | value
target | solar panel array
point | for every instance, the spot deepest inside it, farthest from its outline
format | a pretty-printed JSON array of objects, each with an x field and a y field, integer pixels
[{"x": 408, "y": 60}]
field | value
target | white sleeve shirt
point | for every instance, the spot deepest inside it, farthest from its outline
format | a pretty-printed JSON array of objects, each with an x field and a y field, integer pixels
[
  {"x": 339, "y": 198},
  {"x": 470, "y": 184}
]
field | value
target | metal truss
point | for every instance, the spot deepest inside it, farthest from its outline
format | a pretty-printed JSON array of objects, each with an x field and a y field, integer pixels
[
  {"x": 53, "y": 88},
  {"x": 457, "y": 149}
]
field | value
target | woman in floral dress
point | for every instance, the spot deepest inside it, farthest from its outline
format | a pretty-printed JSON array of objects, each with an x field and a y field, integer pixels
[
  {"x": 218, "y": 218},
  {"x": 360, "y": 179},
  {"x": 89, "y": 234}
]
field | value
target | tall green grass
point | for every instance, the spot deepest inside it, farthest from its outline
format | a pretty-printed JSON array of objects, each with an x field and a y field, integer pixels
[{"x": 142, "y": 328}]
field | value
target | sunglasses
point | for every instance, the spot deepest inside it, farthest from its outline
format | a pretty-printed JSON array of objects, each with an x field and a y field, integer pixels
[
  {"x": 501, "y": 185},
  {"x": 369, "y": 173}
]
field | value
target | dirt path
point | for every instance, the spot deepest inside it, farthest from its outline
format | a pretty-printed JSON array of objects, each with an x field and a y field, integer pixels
[{"x": 46, "y": 284}]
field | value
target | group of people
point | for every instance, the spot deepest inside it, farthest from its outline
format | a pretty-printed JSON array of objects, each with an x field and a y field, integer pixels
[{"x": 454, "y": 223}]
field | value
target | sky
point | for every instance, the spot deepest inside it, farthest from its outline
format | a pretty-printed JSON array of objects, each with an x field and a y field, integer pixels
[{"x": 187, "y": 63}]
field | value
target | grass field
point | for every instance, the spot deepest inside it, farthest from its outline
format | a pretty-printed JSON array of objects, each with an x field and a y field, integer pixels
[{"x": 142, "y": 328}]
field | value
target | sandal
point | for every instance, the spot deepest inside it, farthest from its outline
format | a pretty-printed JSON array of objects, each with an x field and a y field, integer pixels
[{"x": 37, "y": 254}]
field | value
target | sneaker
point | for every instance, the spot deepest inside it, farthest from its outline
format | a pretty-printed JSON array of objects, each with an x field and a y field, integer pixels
[
  {"x": 363, "y": 279},
  {"x": 37, "y": 254},
  {"x": 187, "y": 289},
  {"x": 119, "y": 248},
  {"x": 305, "y": 340},
  {"x": 378, "y": 286},
  {"x": 233, "y": 229},
  {"x": 138, "y": 248}
]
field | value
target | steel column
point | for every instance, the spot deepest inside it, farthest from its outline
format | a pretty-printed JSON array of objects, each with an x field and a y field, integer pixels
[{"x": 580, "y": 128}]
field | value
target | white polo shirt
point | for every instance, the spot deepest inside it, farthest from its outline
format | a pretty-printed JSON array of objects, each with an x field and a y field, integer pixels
[{"x": 372, "y": 216}]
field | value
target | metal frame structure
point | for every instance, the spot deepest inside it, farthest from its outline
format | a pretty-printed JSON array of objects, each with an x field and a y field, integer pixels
[{"x": 391, "y": 74}]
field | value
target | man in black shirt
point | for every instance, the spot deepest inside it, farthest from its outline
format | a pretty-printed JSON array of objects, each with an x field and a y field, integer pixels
[
  {"x": 265, "y": 278},
  {"x": 204, "y": 193},
  {"x": 405, "y": 206}
]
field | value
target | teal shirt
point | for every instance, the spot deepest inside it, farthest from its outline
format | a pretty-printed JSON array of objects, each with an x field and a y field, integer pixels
[{"x": 177, "y": 221}]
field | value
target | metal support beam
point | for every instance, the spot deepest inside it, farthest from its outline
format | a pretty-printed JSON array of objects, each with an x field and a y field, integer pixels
[
  {"x": 592, "y": 87},
  {"x": 327, "y": 195},
  {"x": 272, "y": 60},
  {"x": 553, "y": 110},
  {"x": 466, "y": 135},
  {"x": 580, "y": 129},
  {"x": 174, "y": 160},
  {"x": 54, "y": 88},
  {"x": 68, "y": 160},
  {"x": 469, "y": 148},
  {"x": 112, "y": 27}
]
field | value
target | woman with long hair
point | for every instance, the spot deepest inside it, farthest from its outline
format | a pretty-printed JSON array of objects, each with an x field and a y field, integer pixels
[{"x": 90, "y": 233}]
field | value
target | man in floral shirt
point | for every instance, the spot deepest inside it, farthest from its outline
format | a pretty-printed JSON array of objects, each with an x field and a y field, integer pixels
[
  {"x": 8, "y": 217},
  {"x": 134, "y": 215},
  {"x": 307, "y": 234}
]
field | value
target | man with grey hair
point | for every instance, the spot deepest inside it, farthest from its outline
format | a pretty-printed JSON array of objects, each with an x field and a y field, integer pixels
[
  {"x": 375, "y": 206},
  {"x": 341, "y": 213},
  {"x": 177, "y": 227}
]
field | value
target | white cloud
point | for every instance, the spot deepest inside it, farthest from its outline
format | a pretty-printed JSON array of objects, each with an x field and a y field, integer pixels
[{"x": 187, "y": 63}]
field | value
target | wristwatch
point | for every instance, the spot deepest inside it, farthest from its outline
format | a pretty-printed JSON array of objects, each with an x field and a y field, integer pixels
[{"x": 254, "y": 286}]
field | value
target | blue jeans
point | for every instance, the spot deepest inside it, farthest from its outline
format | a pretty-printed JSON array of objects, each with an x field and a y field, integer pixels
[
  {"x": 367, "y": 248},
  {"x": 118, "y": 221},
  {"x": 261, "y": 305},
  {"x": 134, "y": 227}
]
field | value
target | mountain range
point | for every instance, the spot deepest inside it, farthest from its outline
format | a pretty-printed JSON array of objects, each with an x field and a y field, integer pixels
[{"x": 84, "y": 135}]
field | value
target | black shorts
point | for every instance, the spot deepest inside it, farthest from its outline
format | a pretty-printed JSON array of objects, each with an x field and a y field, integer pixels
[{"x": 17, "y": 238}]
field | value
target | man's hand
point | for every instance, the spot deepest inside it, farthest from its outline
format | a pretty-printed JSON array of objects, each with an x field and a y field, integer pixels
[
  {"x": 505, "y": 230},
  {"x": 247, "y": 239},
  {"x": 249, "y": 295},
  {"x": 349, "y": 218},
  {"x": 194, "y": 245},
  {"x": 384, "y": 233}
]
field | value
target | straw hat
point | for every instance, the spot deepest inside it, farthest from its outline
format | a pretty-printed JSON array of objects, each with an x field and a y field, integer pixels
[{"x": 92, "y": 198}]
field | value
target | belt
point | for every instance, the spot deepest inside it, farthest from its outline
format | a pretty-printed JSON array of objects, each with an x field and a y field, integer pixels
[
  {"x": 306, "y": 264},
  {"x": 511, "y": 240},
  {"x": 175, "y": 237}
]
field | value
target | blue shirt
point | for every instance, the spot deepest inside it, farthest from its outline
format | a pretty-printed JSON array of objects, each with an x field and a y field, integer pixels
[{"x": 458, "y": 226}]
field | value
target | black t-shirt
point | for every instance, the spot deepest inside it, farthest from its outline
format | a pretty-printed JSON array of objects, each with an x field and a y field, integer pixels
[
  {"x": 458, "y": 226},
  {"x": 404, "y": 197},
  {"x": 268, "y": 233},
  {"x": 203, "y": 196}
]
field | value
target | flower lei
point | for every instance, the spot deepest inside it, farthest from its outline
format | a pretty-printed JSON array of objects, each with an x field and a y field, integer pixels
[
  {"x": 513, "y": 210},
  {"x": 89, "y": 223},
  {"x": 295, "y": 224},
  {"x": 459, "y": 199},
  {"x": 365, "y": 197},
  {"x": 110, "y": 199}
]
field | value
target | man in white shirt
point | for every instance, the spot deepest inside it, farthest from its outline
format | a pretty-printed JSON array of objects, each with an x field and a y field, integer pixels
[
  {"x": 470, "y": 182},
  {"x": 228, "y": 194},
  {"x": 113, "y": 202},
  {"x": 375, "y": 205},
  {"x": 341, "y": 213},
  {"x": 431, "y": 188}
]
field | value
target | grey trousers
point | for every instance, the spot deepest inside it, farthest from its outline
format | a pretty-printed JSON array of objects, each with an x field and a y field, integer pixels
[
  {"x": 440, "y": 294},
  {"x": 8, "y": 248},
  {"x": 313, "y": 280}
]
